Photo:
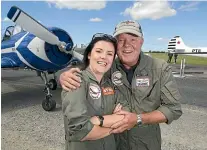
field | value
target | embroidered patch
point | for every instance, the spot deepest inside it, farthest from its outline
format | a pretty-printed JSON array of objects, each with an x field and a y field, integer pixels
[
  {"x": 108, "y": 91},
  {"x": 94, "y": 91},
  {"x": 116, "y": 78},
  {"x": 144, "y": 81}
]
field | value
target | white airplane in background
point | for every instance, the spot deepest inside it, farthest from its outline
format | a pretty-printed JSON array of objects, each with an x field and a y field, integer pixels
[{"x": 177, "y": 46}]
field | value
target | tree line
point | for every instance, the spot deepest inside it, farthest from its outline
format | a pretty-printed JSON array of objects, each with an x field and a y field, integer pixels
[{"x": 157, "y": 51}]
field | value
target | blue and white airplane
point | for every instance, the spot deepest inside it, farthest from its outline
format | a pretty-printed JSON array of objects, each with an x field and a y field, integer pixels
[{"x": 45, "y": 50}]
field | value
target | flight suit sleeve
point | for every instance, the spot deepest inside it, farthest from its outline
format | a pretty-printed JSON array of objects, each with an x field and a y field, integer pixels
[
  {"x": 77, "y": 121},
  {"x": 170, "y": 96}
]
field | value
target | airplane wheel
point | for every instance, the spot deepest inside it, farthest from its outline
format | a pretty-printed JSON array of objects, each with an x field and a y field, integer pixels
[
  {"x": 53, "y": 84},
  {"x": 48, "y": 104},
  {"x": 74, "y": 63}
]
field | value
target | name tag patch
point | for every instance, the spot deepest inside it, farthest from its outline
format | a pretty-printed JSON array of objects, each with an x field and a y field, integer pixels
[
  {"x": 142, "y": 82},
  {"x": 108, "y": 91}
]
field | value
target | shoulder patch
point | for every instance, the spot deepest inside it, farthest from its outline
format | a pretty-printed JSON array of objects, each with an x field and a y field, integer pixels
[
  {"x": 117, "y": 78},
  {"x": 94, "y": 91}
]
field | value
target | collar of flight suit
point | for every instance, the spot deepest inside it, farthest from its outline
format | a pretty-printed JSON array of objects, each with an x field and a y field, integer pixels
[
  {"x": 139, "y": 70},
  {"x": 91, "y": 75},
  {"x": 139, "y": 66}
]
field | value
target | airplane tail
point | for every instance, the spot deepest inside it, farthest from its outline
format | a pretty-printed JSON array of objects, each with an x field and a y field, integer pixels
[{"x": 176, "y": 44}]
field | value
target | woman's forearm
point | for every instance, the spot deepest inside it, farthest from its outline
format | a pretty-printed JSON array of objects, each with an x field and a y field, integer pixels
[
  {"x": 108, "y": 121},
  {"x": 97, "y": 133},
  {"x": 100, "y": 132}
]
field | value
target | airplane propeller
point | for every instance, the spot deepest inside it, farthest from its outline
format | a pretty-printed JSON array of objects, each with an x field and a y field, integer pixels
[{"x": 21, "y": 18}]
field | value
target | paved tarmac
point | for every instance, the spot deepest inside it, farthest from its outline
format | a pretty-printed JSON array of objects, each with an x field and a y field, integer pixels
[
  {"x": 190, "y": 69},
  {"x": 26, "y": 126}
]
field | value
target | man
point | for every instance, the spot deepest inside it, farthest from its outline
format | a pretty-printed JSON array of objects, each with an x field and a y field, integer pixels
[
  {"x": 170, "y": 55},
  {"x": 154, "y": 95},
  {"x": 175, "y": 57}
]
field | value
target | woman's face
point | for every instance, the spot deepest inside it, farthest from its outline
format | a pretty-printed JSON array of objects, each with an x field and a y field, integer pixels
[{"x": 101, "y": 57}]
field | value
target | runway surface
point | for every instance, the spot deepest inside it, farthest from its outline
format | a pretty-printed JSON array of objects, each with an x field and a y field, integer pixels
[{"x": 25, "y": 125}]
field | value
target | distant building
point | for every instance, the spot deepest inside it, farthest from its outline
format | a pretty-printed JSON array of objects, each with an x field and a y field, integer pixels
[{"x": 83, "y": 46}]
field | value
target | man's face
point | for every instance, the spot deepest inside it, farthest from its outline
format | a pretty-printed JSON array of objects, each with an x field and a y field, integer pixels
[{"x": 129, "y": 48}]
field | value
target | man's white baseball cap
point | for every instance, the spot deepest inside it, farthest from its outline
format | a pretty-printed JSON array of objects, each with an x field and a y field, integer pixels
[{"x": 128, "y": 27}]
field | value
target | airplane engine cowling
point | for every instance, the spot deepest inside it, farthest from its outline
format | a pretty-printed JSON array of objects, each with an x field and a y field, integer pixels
[
  {"x": 40, "y": 55},
  {"x": 53, "y": 52}
]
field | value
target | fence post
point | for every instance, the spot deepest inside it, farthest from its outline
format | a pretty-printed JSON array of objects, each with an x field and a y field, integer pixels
[{"x": 181, "y": 68}]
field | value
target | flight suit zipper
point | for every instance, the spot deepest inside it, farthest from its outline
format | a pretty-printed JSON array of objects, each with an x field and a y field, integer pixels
[
  {"x": 102, "y": 97},
  {"x": 102, "y": 101}
]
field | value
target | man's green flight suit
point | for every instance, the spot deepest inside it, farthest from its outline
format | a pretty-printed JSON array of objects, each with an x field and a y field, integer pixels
[
  {"x": 152, "y": 88},
  {"x": 91, "y": 99}
]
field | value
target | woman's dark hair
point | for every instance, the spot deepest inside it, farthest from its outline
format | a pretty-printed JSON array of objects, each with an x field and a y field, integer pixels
[{"x": 97, "y": 37}]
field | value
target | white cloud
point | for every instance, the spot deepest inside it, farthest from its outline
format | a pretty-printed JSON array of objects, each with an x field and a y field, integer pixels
[
  {"x": 5, "y": 19},
  {"x": 163, "y": 39},
  {"x": 79, "y": 5},
  {"x": 95, "y": 20},
  {"x": 150, "y": 10},
  {"x": 159, "y": 39},
  {"x": 190, "y": 6}
]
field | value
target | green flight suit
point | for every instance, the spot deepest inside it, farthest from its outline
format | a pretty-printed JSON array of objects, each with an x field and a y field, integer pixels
[
  {"x": 91, "y": 99},
  {"x": 153, "y": 88}
]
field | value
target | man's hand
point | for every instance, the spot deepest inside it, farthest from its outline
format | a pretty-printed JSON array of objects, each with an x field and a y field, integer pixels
[
  {"x": 69, "y": 79},
  {"x": 129, "y": 121}
]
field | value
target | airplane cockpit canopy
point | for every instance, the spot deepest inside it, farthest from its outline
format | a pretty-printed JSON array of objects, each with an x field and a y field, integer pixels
[
  {"x": 12, "y": 30},
  {"x": 17, "y": 29}
]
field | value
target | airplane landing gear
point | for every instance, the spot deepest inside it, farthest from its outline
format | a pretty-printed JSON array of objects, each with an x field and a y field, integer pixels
[
  {"x": 48, "y": 103},
  {"x": 52, "y": 84}
]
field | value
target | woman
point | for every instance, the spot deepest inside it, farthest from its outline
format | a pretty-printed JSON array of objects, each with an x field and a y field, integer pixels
[{"x": 88, "y": 111}]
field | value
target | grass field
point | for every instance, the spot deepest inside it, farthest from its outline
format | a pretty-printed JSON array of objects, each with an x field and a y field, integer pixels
[{"x": 192, "y": 60}]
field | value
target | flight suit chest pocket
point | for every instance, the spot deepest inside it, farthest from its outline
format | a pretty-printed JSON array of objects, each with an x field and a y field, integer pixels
[
  {"x": 94, "y": 98},
  {"x": 108, "y": 99}
]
